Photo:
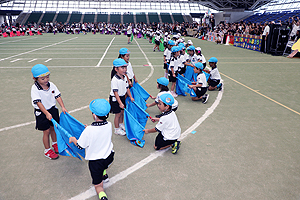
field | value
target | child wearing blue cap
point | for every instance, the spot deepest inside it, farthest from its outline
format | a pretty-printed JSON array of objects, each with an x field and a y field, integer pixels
[
  {"x": 96, "y": 140},
  {"x": 192, "y": 57},
  {"x": 168, "y": 127},
  {"x": 119, "y": 88},
  {"x": 200, "y": 87},
  {"x": 124, "y": 53},
  {"x": 167, "y": 56},
  {"x": 162, "y": 85},
  {"x": 44, "y": 95},
  {"x": 175, "y": 62},
  {"x": 215, "y": 77}
]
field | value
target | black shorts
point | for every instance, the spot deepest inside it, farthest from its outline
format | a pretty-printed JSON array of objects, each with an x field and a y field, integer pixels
[
  {"x": 160, "y": 142},
  {"x": 128, "y": 35},
  {"x": 213, "y": 82},
  {"x": 157, "y": 42},
  {"x": 181, "y": 70},
  {"x": 171, "y": 78},
  {"x": 200, "y": 91},
  {"x": 42, "y": 123},
  {"x": 166, "y": 66},
  {"x": 115, "y": 107},
  {"x": 98, "y": 166}
]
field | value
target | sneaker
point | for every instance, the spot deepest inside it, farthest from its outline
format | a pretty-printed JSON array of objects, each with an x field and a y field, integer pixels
[
  {"x": 175, "y": 147},
  {"x": 103, "y": 198},
  {"x": 105, "y": 178},
  {"x": 174, "y": 94},
  {"x": 205, "y": 98},
  {"x": 119, "y": 131},
  {"x": 122, "y": 126},
  {"x": 220, "y": 87},
  {"x": 55, "y": 147},
  {"x": 51, "y": 155}
]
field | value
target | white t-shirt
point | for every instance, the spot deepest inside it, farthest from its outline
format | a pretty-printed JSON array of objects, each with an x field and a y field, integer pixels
[
  {"x": 174, "y": 105},
  {"x": 174, "y": 63},
  {"x": 193, "y": 59},
  {"x": 167, "y": 54},
  {"x": 119, "y": 85},
  {"x": 130, "y": 73},
  {"x": 214, "y": 74},
  {"x": 201, "y": 58},
  {"x": 266, "y": 30},
  {"x": 46, "y": 97},
  {"x": 129, "y": 30},
  {"x": 96, "y": 139},
  {"x": 168, "y": 126},
  {"x": 201, "y": 79}
]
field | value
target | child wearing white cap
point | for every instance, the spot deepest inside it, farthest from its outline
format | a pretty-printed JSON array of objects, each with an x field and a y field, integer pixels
[
  {"x": 44, "y": 95},
  {"x": 96, "y": 140}
]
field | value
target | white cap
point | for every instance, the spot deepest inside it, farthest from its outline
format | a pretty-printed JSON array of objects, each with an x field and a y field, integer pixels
[
  {"x": 189, "y": 42},
  {"x": 198, "y": 49}
]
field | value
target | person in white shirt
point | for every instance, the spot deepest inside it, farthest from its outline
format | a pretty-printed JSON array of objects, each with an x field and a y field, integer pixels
[
  {"x": 215, "y": 77},
  {"x": 129, "y": 32},
  {"x": 96, "y": 140},
  {"x": 168, "y": 127}
]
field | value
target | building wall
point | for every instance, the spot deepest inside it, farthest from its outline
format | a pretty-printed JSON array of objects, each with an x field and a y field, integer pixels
[{"x": 231, "y": 16}]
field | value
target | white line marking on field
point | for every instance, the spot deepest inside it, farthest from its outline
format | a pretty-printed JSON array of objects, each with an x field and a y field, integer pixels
[
  {"x": 48, "y": 60},
  {"x": 32, "y": 60},
  {"x": 100, "y": 61},
  {"x": 15, "y": 60},
  {"x": 91, "y": 192},
  {"x": 38, "y": 49}
]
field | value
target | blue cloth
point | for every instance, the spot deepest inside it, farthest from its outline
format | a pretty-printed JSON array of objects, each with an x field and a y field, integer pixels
[
  {"x": 137, "y": 112},
  {"x": 134, "y": 130},
  {"x": 182, "y": 85},
  {"x": 68, "y": 127},
  {"x": 144, "y": 94},
  {"x": 138, "y": 98}
]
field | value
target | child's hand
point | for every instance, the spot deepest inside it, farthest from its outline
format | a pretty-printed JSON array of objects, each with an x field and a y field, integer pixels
[
  {"x": 72, "y": 139},
  {"x": 146, "y": 131},
  {"x": 148, "y": 105},
  {"x": 122, "y": 105},
  {"x": 152, "y": 97},
  {"x": 132, "y": 99},
  {"x": 49, "y": 116},
  {"x": 64, "y": 110},
  {"x": 155, "y": 120},
  {"x": 174, "y": 75},
  {"x": 85, "y": 125}
]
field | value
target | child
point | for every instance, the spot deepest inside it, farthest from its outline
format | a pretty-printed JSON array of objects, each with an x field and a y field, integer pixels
[
  {"x": 129, "y": 32},
  {"x": 96, "y": 140},
  {"x": 200, "y": 56},
  {"x": 168, "y": 127},
  {"x": 173, "y": 68},
  {"x": 125, "y": 55},
  {"x": 119, "y": 87},
  {"x": 162, "y": 84},
  {"x": 192, "y": 57},
  {"x": 43, "y": 96},
  {"x": 167, "y": 56},
  {"x": 183, "y": 58},
  {"x": 157, "y": 41},
  {"x": 215, "y": 77},
  {"x": 200, "y": 87}
]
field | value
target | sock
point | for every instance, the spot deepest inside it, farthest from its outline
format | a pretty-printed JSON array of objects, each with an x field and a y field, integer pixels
[
  {"x": 46, "y": 150},
  {"x": 104, "y": 172},
  {"x": 218, "y": 85},
  {"x": 102, "y": 194},
  {"x": 53, "y": 143},
  {"x": 116, "y": 129}
]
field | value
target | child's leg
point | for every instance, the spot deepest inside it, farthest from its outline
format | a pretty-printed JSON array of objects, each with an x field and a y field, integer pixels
[
  {"x": 53, "y": 134},
  {"x": 173, "y": 86},
  {"x": 46, "y": 139},
  {"x": 100, "y": 191},
  {"x": 121, "y": 120},
  {"x": 117, "y": 120}
]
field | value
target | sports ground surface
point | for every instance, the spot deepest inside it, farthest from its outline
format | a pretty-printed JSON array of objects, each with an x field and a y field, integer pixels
[{"x": 245, "y": 142}]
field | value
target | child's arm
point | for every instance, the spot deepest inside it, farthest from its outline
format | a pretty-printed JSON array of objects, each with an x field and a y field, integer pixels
[
  {"x": 119, "y": 100},
  {"x": 44, "y": 110},
  {"x": 61, "y": 103},
  {"x": 173, "y": 73},
  {"x": 152, "y": 130},
  {"x": 195, "y": 86},
  {"x": 73, "y": 139},
  {"x": 129, "y": 94},
  {"x": 135, "y": 78},
  {"x": 151, "y": 104},
  {"x": 129, "y": 82}
]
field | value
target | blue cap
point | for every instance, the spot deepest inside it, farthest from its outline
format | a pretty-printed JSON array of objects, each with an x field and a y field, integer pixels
[
  {"x": 175, "y": 49},
  {"x": 171, "y": 42},
  {"x": 119, "y": 62},
  {"x": 181, "y": 45},
  {"x": 124, "y": 51},
  {"x": 167, "y": 99},
  {"x": 163, "y": 81},
  {"x": 199, "y": 65},
  {"x": 191, "y": 48},
  {"x": 39, "y": 70},
  {"x": 213, "y": 59},
  {"x": 100, "y": 107}
]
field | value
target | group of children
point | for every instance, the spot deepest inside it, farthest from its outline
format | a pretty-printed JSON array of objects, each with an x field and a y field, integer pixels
[{"x": 96, "y": 138}]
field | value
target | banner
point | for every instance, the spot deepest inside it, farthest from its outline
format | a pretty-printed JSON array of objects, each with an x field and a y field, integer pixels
[{"x": 246, "y": 41}]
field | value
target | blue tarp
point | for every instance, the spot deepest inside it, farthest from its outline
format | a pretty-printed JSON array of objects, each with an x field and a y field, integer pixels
[
  {"x": 134, "y": 130},
  {"x": 144, "y": 94},
  {"x": 137, "y": 112},
  {"x": 68, "y": 127},
  {"x": 138, "y": 98}
]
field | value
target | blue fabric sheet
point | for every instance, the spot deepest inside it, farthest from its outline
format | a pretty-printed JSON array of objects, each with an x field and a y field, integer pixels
[
  {"x": 68, "y": 127},
  {"x": 143, "y": 93},
  {"x": 138, "y": 98},
  {"x": 134, "y": 130}
]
